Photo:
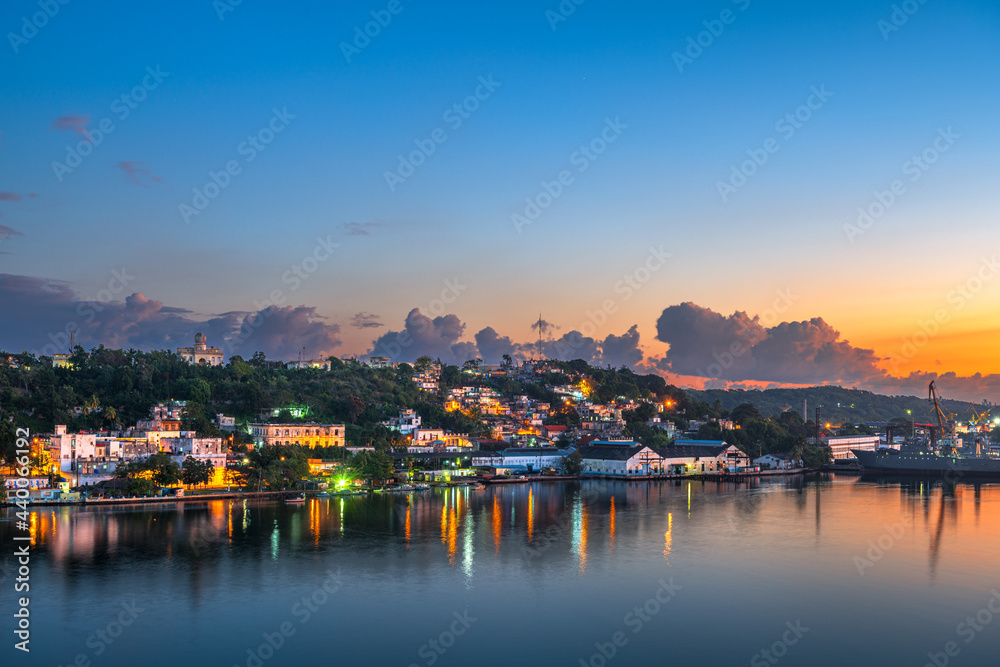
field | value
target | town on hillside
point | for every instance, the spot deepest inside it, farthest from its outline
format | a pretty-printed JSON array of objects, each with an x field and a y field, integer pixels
[{"x": 110, "y": 424}]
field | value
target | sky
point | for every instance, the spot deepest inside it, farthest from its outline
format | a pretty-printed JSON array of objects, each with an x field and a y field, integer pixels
[{"x": 730, "y": 193}]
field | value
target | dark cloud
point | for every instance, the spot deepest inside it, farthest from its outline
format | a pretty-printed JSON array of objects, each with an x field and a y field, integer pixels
[
  {"x": 48, "y": 310},
  {"x": 573, "y": 345},
  {"x": 622, "y": 350},
  {"x": 76, "y": 124},
  {"x": 137, "y": 174},
  {"x": 492, "y": 346},
  {"x": 359, "y": 228},
  {"x": 9, "y": 196},
  {"x": 737, "y": 347},
  {"x": 365, "y": 321},
  {"x": 437, "y": 338}
]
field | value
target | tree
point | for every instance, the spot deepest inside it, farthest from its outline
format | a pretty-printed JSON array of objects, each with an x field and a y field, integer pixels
[
  {"x": 573, "y": 465},
  {"x": 375, "y": 466},
  {"x": 194, "y": 471}
]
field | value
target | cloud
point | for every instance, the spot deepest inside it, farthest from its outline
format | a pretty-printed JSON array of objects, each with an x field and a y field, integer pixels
[
  {"x": 737, "y": 347},
  {"x": 365, "y": 321},
  {"x": 492, "y": 346},
  {"x": 48, "y": 309},
  {"x": 134, "y": 170},
  {"x": 76, "y": 124},
  {"x": 9, "y": 196},
  {"x": 437, "y": 338},
  {"x": 6, "y": 232},
  {"x": 543, "y": 326},
  {"x": 622, "y": 350},
  {"x": 359, "y": 228}
]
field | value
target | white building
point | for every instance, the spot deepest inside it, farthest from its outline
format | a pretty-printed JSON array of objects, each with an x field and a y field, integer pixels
[
  {"x": 527, "y": 459},
  {"x": 201, "y": 353},
  {"x": 407, "y": 422},
  {"x": 841, "y": 445},
  {"x": 203, "y": 449},
  {"x": 70, "y": 449},
  {"x": 619, "y": 459},
  {"x": 780, "y": 461}
]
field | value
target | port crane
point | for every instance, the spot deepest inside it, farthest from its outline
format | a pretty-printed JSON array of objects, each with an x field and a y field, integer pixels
[{"x": 938, "y": 412}]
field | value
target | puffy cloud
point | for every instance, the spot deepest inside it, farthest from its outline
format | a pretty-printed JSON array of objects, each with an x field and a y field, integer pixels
[
  {"x": 437, "y": 338},
  {"x": 134, "y": 171},
  {"x": 48, "y": 310},
  {"x": 76, "y": 124},
  {"x": 492, "y": 346},
  {"x": 365, "y": 321},
  {"x": 737, "y": 347},
  {"x": 622, "y": 350},
  {"x": 573, "y": 345}
]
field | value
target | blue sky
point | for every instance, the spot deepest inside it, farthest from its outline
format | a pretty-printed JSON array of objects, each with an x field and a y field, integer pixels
[{"x": 656, "y": 185}]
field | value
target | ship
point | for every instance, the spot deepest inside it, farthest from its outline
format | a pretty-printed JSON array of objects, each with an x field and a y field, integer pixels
[
  {"x": 924, "y": 458},
  {"x": 946, "y": 456}
]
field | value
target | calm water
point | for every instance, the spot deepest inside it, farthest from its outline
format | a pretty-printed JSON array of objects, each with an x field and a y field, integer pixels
[{"x": 866, "y": 572}]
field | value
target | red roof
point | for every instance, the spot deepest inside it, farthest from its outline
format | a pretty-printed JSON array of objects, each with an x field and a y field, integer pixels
[{"x": 557, "y": 429}]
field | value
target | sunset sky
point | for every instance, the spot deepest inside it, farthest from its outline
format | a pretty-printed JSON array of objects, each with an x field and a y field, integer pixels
[{"x": 633, "y": 115}]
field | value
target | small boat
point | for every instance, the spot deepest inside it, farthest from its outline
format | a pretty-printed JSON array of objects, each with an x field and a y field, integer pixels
[
  {"x": 322, "y": 494},
  {"x": 421, "y": 487},
  {"x": 301, "y": 498}
]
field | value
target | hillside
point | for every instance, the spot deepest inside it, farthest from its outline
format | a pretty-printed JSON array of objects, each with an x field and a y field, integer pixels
[{"x": 839, "y": 405}]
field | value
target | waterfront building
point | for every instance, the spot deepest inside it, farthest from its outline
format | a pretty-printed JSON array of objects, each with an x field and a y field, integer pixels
[
  {"x": 705, "y": 456},
  {"x": 619, "y": 458},
  {"x": 309, "y": 435},
  {"x": 201, "y": 353},
  {"x": 779, "y": 461},
  {"x": 841, "y": 445}
]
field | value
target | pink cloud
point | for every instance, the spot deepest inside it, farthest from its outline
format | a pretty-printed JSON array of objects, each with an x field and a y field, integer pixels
[
  {"x": 9, "y": 196},
  {"x": 134, "y": 170},
  {"x": 76, "y": 124}
]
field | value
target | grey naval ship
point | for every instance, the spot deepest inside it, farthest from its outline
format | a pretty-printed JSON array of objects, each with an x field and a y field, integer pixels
[
  {"x": 934, "y": 457},
  {"x": 923, "y": 458}
]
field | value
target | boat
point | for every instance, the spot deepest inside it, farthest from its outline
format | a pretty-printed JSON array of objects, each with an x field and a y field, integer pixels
[
  {"x": 301, "y": 498},
  {"x": 421, "y": 487},
  {"x": 947, "y": 456},
  {"x": 921, "y": 457},
  {"x": 322, "y": 494}
]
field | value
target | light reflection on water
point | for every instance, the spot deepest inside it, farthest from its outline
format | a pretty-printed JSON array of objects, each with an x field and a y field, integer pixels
[{"x": 557, "y": 565}]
